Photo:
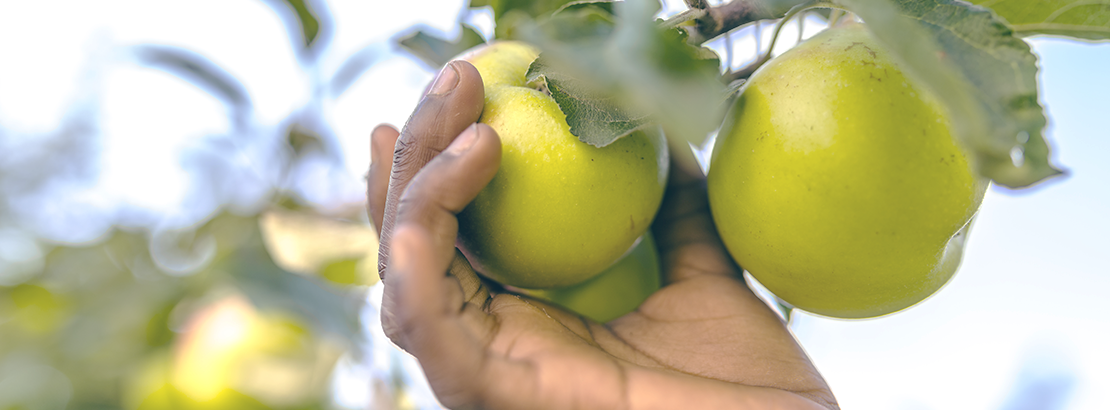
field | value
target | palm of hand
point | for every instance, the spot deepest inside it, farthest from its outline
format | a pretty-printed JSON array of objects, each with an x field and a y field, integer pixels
[{"x": 704, "y": 325}]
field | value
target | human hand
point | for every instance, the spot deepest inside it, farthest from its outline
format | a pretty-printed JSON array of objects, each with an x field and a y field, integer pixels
[{"x": 703, "y": 341}]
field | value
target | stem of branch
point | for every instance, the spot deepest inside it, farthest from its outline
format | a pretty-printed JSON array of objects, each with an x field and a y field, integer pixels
[
  {"x": 797, "y": 9},
  {"x": 722, "y": 19},
  {"x": 746, "y": 71},
  {"x": 697, "y": 4},
  {"x": 687, "y": 15}
]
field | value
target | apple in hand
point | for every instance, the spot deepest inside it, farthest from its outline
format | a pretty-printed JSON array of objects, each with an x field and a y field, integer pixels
[
  {"x": 836, "y": 181},
  {"x": 616, "y": 291},
  {"x": 559, "y": 211}
]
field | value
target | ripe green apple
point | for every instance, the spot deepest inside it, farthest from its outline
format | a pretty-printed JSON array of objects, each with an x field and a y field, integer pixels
[
  {"x": 836, "y": 182},
  {"x": 616, "y": 291},
  {"x": 559, "y": 211}
]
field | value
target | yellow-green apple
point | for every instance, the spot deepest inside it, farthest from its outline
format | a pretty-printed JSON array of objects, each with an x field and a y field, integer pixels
[
  {"x": 616, "y": 291},
  {"x": 836, "y": 181},
  {"x": 231, "y": 356},
  {"x": 559, "y": 211}
]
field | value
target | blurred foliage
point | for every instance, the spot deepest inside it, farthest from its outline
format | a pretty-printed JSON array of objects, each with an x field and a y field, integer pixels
[
  {"x": 590, "y": 56},
  {"x": 119, "y": 324},
  {"x": 247, "y": 308},
  {"x": 306, "y": 243},
  {"x": 533, "y": 8},
  {"x": 1082, "y": 19},
  {"x": 613, "y": 70},
  {"x": 436, "y": 52},
  {"x": 306, "y": 19}
]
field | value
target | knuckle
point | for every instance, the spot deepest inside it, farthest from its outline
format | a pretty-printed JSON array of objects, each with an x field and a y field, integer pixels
[
  {"x": 413, "y": 198},
  {"x": 383, "y": 254},
  {"x": 398, "y": 329},
  {"x": 403, "y": 149},
  {"x": 392, "y": 330},
  {"x": 410, "y": 156}
]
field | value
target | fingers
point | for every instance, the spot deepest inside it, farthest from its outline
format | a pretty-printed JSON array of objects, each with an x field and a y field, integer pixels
[
  {"x": 428, "y": 207},
  {"x": 684, "y": 231},
  {"x": 382, "y": 140},
  {"x": 416, "y": 310},
  {"x": 447, "y": 184},
  {"x": 435, "y": 316},
  {"x": 422, "y": 315},
  {"x": 453, "y": 103}
]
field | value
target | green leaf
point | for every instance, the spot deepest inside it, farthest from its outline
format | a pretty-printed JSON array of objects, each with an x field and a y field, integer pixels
[
  {"x": 785, "y": 309},
  {"x": 984, "y": 75},
  {"x": 515, "y": 13},
  {"x": 594, "y": 116},
  {"x": 578, "y": 22},
  {"x": 342, "y": 272},
  {"x": 243, "y": 257},
  {"x": 436, "y": 52},
  {"x": 158, "y": 333},
  {"x": 198, "y": 70},
  {"x": 605, "y": 5},
  {"x": 310, "y": 25},
  {"x": 308, "y": 243},
  {"x": 1085, "y": 19},
  {"x": 271, "y": 288},
  {"x": 611, "y": 75},
  {"x": 531, "y": 8},
  {"x": 302, "y": 140}
]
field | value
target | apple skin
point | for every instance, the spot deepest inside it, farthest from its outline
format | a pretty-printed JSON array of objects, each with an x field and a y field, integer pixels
[
  {"x": 836, "y": 182},
  {"x": 616, "y": 291},
  {"x": 559, "y": 211}
]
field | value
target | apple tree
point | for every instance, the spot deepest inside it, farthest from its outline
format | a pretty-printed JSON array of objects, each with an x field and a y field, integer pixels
[{"x": 615, "y": 68}]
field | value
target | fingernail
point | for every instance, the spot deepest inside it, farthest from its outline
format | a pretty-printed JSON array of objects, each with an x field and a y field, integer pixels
[
  {"x": 464, "y": 141},
  {"x": 446, "y": 81}
]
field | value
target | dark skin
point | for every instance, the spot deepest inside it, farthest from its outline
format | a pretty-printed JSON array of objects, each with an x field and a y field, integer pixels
[{"x": 703, "y": 341}]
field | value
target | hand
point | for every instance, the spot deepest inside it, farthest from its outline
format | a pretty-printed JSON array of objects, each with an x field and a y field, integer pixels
[{"x": 703, "y": 341}]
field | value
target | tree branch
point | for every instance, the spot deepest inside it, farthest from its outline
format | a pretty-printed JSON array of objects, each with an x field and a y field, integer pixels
[
  {"x": 697, "y": 4},
  {"x": 746, "y": 71},
  {"x": 724, "y": 18}
]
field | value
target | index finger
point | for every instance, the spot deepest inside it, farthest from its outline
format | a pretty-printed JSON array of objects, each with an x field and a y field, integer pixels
[{"x": 453, "y": 103}]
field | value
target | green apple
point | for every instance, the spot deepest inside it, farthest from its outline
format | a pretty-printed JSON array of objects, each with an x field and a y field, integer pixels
[
  {"x": 616, "y": 291},
  {"x": 231, "y": 356},
  {"x": 836, "y": 182},
  {"x": 559, "y": 211}
]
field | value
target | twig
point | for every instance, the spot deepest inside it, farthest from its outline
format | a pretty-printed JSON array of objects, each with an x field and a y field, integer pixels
[
  {"x": 687, "y": 15},
  {"x": 747, "y": 70},
  {"x": 750, "y": 68},
  {"x": 697, "y": 4},
  {"x": 722, "y": 19}
]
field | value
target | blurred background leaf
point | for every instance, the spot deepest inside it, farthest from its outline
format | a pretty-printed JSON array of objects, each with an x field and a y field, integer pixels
[
  {"x": 1082, "y": 19},
  {"x": 436, "y": 52},
  {"x": 186, "y": 309},
  {"x": 307, "y": 24},
  {"x": 537, "y": 8},
  {"x": 308, "y": 243},
  {"x": 98, "y": 315},
  {"x": 198, "y": 70}
]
